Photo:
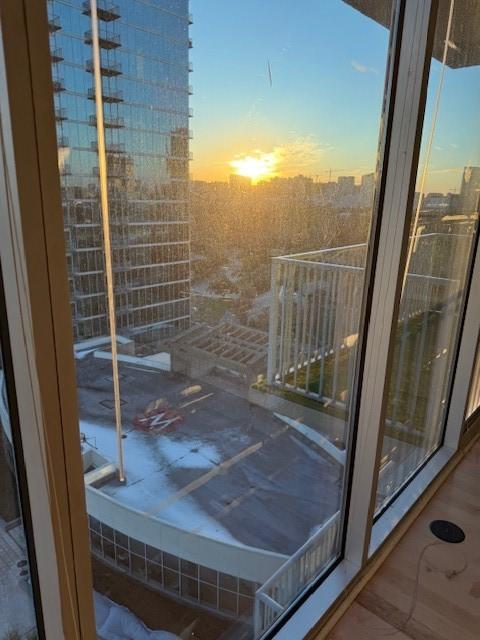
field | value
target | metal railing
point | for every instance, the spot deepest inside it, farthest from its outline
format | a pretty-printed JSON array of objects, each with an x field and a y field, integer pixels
[
  {"x": 105, "y": 40},
  {"x": 106, "y": 11},
  {"x": 316, "y": 308},
  {"x": 278, "y": 592},
  {"x": 110, "y": 96},
  {"x": 106, "y": 69}
]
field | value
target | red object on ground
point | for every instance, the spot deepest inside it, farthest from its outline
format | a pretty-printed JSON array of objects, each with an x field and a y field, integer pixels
[{"x": 162, "y": 418}]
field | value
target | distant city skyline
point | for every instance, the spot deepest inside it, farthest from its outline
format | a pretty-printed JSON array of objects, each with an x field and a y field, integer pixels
[{"x": 304, "y": 95}]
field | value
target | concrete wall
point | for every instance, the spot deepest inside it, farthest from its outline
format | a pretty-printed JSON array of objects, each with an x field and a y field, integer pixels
[
  {"x": 327, "y": 425},
  {"x": 239, "y": 560}
]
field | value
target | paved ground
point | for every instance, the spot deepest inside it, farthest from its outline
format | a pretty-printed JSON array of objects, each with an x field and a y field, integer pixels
[{"x": 228, "y": 469}]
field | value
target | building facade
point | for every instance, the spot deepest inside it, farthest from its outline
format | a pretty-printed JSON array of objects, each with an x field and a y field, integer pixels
[{"x": 144, "y": 66}]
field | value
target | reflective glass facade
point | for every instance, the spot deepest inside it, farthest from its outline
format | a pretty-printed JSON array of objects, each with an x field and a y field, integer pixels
[{"x": 144, "y": 67}]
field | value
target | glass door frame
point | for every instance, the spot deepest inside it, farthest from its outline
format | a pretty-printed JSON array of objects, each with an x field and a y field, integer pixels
[{"x": 36, "y": 296}]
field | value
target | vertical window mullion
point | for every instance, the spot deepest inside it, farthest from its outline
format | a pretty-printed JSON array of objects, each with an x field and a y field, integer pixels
[
  {"x": 416, "y": 33},
  {"x": 466, "y": 359}
]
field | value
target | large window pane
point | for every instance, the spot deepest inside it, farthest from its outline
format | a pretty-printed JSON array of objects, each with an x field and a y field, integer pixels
[
  {"x": 17, "y": 611},
  {"x": 237, "y": 282},
  {"x": 445, "y": 217}
]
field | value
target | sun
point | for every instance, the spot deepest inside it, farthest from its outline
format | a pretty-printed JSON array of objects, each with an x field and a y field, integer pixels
[{"x": 256, "y": 167}]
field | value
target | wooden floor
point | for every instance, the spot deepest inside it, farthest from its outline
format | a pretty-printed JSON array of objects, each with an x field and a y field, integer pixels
[{"x": 426, "y": 589}]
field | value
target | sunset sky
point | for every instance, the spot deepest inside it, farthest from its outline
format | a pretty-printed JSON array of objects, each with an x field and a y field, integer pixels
[{"x": 300, "y": 86}]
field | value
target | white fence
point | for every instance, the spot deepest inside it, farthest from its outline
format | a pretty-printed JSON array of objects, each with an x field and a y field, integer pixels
[
  {"x": 316, "y": 310},
  {"x": 277, "y": 593}
]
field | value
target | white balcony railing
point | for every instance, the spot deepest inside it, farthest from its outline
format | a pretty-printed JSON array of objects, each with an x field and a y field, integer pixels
[
  {"x": 316, "y": 310},
  {"x": 278, "y": 592}
]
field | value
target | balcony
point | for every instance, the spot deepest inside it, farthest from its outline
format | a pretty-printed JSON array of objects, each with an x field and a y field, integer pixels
[
  {"x": 110, "y": 97},
  {"x": 108, "y": 122},
  {"x": 190, "y": 43},
  {"x": 275, "y": 595},
  {"x": 111, "y": 147},
  {"x": 107, "y": 70},
  {"x": 106, "y": 41},
  {"x": 58, "y": 85},
  {"x": 60, "y": 114},
  {"x": 106, "y": 11},
  {"x": 54, "y": 24},
  {"x": 112, "y": 174},
  {"x": 315, "y": 314},
  {"x": 56, "y": 56},
  {"x": 62, "y": 142}
]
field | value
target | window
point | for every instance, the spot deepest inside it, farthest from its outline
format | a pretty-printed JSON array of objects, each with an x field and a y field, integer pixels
[
  {"x": 235, "y": 280},
  {"x": 17, "y": 608},
  {"x": 270, "y": 217},
  {"x": 445, "y": 220}
]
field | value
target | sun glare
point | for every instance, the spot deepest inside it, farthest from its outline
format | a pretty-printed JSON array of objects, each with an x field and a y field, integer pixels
[{"x": 257, "y": 167}]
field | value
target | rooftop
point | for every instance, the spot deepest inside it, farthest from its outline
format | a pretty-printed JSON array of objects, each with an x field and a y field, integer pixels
[{"x": 213, "y": 463}]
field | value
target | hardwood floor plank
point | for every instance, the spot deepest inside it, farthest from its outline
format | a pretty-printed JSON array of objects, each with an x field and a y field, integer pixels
[
  {"x": 447, "y": 592},
  {"x": 360, "y": 624}
]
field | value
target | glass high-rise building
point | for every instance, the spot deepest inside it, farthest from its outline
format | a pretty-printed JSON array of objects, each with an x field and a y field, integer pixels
[{"x": 144, "y": 66}]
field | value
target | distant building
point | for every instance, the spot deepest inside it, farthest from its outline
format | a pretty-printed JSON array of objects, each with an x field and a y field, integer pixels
[
  {"x": 239, "y": 183},
  {"x": 367, "y": 189},
  {"x": 470, "y": 191},
  {"x": 367, "y": 181},
  {"x": 145, "y": 95},
  {"x": 346, "y": 185}
]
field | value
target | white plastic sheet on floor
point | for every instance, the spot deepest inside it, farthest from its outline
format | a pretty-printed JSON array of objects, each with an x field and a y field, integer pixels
[{"x": 118, "y": 623}]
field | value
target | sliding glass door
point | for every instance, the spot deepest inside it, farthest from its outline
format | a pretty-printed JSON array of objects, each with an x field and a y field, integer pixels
[{"x": 439, "y": 257}]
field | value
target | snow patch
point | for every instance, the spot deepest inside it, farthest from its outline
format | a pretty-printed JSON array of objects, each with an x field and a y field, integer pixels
[
  {"x": 115, "y": 622},
  {"x": 147, "y": 464},
  {"x": 189, "y": 454}
]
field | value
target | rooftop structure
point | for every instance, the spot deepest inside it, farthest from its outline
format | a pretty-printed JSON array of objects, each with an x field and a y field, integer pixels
[{"x": 236, "y": 349}]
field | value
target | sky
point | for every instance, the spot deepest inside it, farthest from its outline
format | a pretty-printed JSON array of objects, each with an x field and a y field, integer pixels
[{"x": 301, "y": 86}]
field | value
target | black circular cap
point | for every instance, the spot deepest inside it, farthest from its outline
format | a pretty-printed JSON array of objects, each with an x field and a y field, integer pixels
[{"x": 447, "y": 531}]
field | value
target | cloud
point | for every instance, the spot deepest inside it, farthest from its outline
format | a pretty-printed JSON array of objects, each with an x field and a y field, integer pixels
[
  {"x": 361, "y": 68},
  {"x": 301, "y": 155}
]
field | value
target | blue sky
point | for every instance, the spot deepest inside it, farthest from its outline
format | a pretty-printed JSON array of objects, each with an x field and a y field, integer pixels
[{"x": 322, "y": 109}]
